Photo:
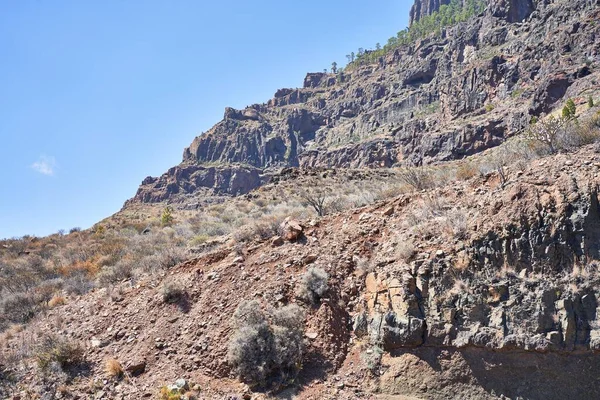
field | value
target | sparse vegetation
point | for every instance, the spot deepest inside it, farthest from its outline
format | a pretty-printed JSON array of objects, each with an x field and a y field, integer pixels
[
  {"x": 553, "y": 134},
  {"x": 448, "y": 15},
  {"x": 371, "y": 357},
  {"x": 547, "y": 133}
]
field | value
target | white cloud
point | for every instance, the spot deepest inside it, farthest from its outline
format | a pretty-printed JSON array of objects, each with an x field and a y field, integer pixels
[{"x": 45, "y": 165}]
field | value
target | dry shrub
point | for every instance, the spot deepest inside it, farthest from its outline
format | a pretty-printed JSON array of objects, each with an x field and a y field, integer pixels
[
  {"x": 457, "y": 224},
  {"x": 417, "y": 177},
  {"x": 172, "y": 293},
  {"x": 87, "y": 266},
  {"x": 460, "y": 286},
  {"x": 267, "y": 227},
  {"x": 371, "y": 358},
  {"x": 313, "y": 285},
  {"x": 261, "y": 230},
  {"x": 18, "y": 308},
  {"x": 24, "y": 274},
  {"x": 405, "y": 251},
  {"x": 56, "y": 301},
  {"x": 54, "y": 350},
  {"x": 390, "y": 192},
  {"x": 426, "y": 217},
  {"x": 462, "y": 261},
  {"x": 113, "y": 368},
  {"x": 586, "y": 132},
  {"x": 113, "y": 274},
  {"x": 466, "y": 170},
  {"x": 78, "y": 282},
  {"x": 554, "y": 134},
  {"x": 262, "y": 349}
]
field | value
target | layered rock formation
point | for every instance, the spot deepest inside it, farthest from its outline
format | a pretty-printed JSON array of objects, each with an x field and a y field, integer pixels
[{"x": 441, "y": 98}]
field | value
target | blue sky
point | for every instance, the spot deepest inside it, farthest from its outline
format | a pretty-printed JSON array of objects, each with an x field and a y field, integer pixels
[{"x": 97, "y": 95}]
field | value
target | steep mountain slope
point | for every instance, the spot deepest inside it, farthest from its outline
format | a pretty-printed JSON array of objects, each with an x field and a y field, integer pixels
[
  {"x": 474, "y": 278},
  {"x": 474, "y": 289},
  {"x": 447, "y": 96}
]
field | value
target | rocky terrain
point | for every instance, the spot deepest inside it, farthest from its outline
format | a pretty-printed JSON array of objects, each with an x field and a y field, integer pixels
[
  {"x": 460, "y": 257},
  {"x": 463, "y": 290}
]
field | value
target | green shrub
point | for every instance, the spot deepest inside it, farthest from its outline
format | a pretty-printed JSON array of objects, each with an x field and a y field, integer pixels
[
  {"x": 569, "y": 111},
  {"x": 167, "y": 218}
]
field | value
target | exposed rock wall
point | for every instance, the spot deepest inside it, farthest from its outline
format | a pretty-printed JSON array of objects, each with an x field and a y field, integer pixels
[
  {"x": 188, "y": 179},
  {"x": 441, "y": 98},
  {"x": 423, "y": 8},
  {"x": 527, "y": 279}
]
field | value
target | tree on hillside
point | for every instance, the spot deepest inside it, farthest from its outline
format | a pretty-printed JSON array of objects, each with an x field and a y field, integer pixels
[
  {"x": 334, "y": 67},
  {"x": 569, "y": 111},
  {"x": 448, "y": 14}
]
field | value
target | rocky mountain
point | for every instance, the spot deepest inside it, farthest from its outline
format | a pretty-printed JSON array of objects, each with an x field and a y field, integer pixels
[
  {"x": 443, "y": 97},
  {"x": 292, "y": 241}
]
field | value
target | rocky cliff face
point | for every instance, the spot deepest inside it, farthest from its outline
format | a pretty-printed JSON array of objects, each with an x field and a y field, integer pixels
[
  {"x": 441, "y": 98},
  {"x": 423, "y": 8},
  {"x": 511, "y": 10}
]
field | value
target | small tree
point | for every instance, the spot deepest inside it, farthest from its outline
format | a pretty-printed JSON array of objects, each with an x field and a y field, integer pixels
[
  {"x": 569, "y": 111},
  {"x": 548, "y": 132},
  {"x": 590, "y": 102},
  {"x": 167, "y": 216},
  {"x": 316, "y": 195},
  {"x": 334, "y": 67}
]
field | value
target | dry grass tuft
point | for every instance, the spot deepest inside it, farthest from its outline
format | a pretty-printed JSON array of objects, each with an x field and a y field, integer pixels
[
  {"x": 113, "y": 368},
  {"x": 56, "y": 301}
]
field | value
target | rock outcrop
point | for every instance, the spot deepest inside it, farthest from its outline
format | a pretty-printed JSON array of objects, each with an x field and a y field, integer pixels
[
  {"x": 423, "y": 8},
  {"x": 196, "y": 179},
  {"x": 444, "y": 97}
]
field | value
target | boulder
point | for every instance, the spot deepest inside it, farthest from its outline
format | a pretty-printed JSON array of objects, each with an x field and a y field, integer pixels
[
  {"x": 292, "y": 229},
  {"x": 136, "y": 367}
]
